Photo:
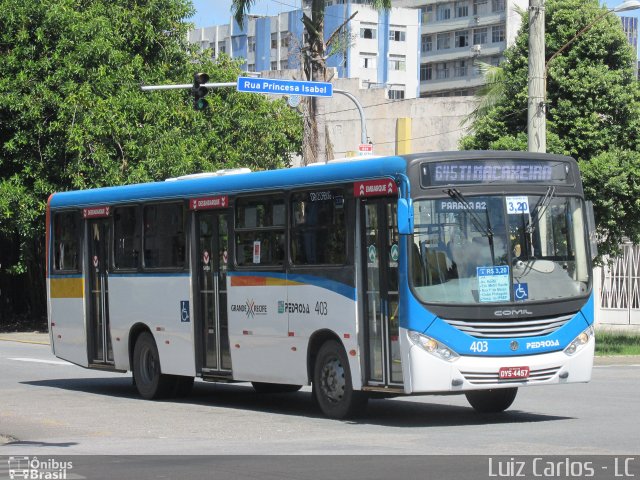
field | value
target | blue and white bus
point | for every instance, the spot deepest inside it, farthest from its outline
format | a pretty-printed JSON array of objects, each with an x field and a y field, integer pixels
[{"x": 459, "y": 272}]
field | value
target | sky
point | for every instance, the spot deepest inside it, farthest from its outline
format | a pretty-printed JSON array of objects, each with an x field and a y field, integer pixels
[{"x": 217, "y": 12}]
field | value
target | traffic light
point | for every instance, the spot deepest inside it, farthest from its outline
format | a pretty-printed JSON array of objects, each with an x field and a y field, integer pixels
[{"x": 199, "y": 91}]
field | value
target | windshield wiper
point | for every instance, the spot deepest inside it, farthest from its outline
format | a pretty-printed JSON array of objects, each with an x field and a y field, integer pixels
[
  {"x": 542, "y": 205},
  {"x": 485, "y": 230}
]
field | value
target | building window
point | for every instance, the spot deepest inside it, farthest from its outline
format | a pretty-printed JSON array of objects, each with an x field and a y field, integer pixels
[
  {"x": 427, "y": 43},
  {"x": 426, "y": 72},
  {"x": 368, "y": 61},
  {"x": 251, "y": 67},
  {"x": 497, "y": 5},
  {"x": 284, "y": 64},
  {"x": 460, "y": 69},
  {"x": 498, "y": 34},
  {"x": 274, "y": 40},
  {"x": 66, "y": 241},
  {"x": 274, "y": 65},
  {"x": 462, "y": 38},
  {"x": 480, "y": 36},
  {"x": 222, "y": 47},
  {"x": 442, "y": 71},
  {"x": 318, "y": 228},
  {"x": 480, "y": 7},
  {"x": 443, "y": 41},
  {"x": 284, "y": 40},
  {"x": 462, "y": 9},
  {"x": 397, "y": 62},
  {"x": 251, "y": 44},
  {"x": 368, "y": 32},
  {"x": 397, "y": 35},
  {"x": 443, "y": 12},
  {"x": 396, "y": 94},
  {"x": 427, "y": 14}
]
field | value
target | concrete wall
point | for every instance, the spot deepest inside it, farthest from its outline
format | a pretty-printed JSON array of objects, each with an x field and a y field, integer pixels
[{"x": 434, "y": 123}]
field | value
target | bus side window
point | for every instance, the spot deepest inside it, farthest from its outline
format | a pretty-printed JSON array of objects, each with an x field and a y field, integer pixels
[
  {"x": 164, "y": 236},
  {"x": 66, "y": 243},
  {"x": 126, "y": 237},
  {"x": 260, "y": 235}
]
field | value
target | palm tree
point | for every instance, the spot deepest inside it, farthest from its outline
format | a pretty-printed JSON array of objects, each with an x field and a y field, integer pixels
[{"x": 314, "y": 55}]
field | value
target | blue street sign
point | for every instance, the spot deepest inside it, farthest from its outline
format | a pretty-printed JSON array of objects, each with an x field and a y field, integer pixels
[{"x": 284, "y": 87}]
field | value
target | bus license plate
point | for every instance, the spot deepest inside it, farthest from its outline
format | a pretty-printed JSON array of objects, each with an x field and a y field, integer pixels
[{"x": 511, "y": 373}]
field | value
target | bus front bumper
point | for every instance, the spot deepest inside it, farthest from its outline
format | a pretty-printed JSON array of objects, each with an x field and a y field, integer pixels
[{"x": 425, "y": 373}]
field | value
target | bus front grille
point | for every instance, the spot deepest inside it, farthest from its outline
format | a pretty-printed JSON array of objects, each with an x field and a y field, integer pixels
[
  {"x": 510, "y": 328},
  {"x": 483, "y": 378}
]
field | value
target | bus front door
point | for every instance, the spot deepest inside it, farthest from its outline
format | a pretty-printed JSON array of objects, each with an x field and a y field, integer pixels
[
  {"x": 379, "y": 233},
  {"x": 100, "y": 347},
  {"x": 212, "y": 258}
]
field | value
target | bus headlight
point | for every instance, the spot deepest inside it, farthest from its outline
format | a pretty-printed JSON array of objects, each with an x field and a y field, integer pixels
[
  {"x": 433, "y": 347},
  {"x": 580, "y": 341}
]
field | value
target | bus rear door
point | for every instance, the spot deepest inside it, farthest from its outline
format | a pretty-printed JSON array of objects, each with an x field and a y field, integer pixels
[{"x": 210, "y": 275}]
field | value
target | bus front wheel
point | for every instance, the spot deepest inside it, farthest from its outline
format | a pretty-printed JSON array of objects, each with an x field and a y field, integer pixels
[
  {"x": 491, "y": 401},
  {"x": 332, "y": 386},
  {"x": 149, "y": 380}
]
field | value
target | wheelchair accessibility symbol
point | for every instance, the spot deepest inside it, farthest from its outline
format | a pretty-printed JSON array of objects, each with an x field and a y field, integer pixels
[
  {"x": 521, "y": 291},
  {"x": 184, "y": 311}
]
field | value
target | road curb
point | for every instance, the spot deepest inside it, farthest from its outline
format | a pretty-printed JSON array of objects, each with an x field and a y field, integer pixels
[{"x": 19, "y": 340}]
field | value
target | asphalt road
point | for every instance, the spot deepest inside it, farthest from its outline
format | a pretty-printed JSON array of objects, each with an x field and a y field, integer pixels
[{"x": 49, "y": 407}]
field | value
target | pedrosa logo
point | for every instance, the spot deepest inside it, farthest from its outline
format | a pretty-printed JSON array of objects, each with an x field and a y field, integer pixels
[{"x": 512, "y": 313}]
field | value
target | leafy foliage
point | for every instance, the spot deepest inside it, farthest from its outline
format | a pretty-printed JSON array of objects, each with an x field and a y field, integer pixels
[
  {"x": 72, "y": 114},
  {"x": 593, "y": 108}
]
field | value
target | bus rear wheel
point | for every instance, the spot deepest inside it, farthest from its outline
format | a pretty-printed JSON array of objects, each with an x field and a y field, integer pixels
[
  {"x": 149, "y": 380},
  {"x": 491, "y": 401},
  {"x": 262, "y": 387},
  {"x": 332, "y": 386}
]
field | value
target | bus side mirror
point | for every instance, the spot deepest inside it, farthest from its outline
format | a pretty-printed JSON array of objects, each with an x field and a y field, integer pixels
[
  {"x": 405, "y": 217},
  {"x": 591, "y": 228}
]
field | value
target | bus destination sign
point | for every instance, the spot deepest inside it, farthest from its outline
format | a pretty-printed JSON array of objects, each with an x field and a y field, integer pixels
[
  {"x": 491, "y": 171},
  {"x": 208, "y": 203}
]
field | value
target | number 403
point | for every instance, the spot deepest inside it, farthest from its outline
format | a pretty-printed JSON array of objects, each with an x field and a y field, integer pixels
[{"x": 479, "y": 347}]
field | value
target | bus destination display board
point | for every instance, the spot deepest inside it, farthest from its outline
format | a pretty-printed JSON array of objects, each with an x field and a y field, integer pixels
[{"x": 492, "y": 171}]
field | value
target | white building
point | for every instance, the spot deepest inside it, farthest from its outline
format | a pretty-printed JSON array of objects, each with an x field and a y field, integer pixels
[
  {"x": 381, "y": 47},
  {"x": 457, "y": 34},
  {"x": 418, "y": 48}
]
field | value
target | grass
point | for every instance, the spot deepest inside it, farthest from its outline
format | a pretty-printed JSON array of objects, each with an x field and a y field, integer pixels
[{"x": 608, "y": 343}]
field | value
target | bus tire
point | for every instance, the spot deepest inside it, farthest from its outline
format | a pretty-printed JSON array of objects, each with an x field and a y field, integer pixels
[
  {"x": 262, "y": 387},
  {"x": 148, "y": 377},
  {"x": 332, "y": 385},
  {"x": 491, "y": 401}
]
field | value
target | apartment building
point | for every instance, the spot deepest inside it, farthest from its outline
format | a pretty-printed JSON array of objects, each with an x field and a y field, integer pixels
[
  {"x": 455, "y": 35},
  {"x": 380, "y": 48},
  {"x": 418, "y": 48}
]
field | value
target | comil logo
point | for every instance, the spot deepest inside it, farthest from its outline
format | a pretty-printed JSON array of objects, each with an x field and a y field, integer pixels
[{"x": 36, "y": 469}]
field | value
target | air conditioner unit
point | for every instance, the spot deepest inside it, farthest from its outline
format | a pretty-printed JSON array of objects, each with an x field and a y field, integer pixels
[{"x": 476, "y": 49}]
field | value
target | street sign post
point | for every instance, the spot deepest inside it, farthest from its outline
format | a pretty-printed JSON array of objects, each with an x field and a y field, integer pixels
[{"x": 284, "y": 87}]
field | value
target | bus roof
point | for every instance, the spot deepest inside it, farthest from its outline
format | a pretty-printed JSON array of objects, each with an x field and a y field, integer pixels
[{"x": 242, "y": 183}]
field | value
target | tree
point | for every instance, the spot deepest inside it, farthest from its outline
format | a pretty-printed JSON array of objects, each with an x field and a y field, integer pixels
[
  {"x": 72, "y": 114},
  {"x": 593, "y": 107},
  {"x": 315, "y": 54}
]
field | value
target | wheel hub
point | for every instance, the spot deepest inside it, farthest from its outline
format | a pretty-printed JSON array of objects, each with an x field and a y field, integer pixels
[{"x": 332, "y": 380}]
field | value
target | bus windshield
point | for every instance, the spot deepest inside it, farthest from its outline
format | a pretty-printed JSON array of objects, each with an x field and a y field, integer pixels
[{"x": 499, "y": 249}]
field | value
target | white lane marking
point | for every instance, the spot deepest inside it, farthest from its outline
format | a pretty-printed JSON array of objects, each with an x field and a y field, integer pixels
[
  {"x": 617, "y": 365},
  {"x": 37, "y": 360}
]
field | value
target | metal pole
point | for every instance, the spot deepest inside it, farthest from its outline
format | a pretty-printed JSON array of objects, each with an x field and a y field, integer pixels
[
  {"x": 536, "y": 117},
  {"x": 363, "y": 124},
  {"x": 147, "y": 88}
]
